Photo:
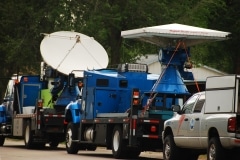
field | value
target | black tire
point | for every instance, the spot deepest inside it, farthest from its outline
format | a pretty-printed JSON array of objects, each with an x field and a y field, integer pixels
[
  {"x": 215, "y": 150},
  {"x": 2, "y": 140},
  {"x": 170, "y": 150},
  {"x": 71, "y": 134},
  {"x": 28, "y": 136},
  {"x": 118, "y": 144}
]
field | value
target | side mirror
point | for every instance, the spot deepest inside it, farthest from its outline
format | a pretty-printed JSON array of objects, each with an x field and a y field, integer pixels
[
  {"x": 71, "y": 78},
  {"x": 176, "y": 108}
]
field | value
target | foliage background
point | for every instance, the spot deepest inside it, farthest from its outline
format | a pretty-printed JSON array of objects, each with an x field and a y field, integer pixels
[{"x": 22, "y": 23}]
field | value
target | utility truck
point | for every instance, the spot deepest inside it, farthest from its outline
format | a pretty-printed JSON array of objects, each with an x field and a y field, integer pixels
[
  {"x": 124, "y": 109},
  {"x": 34, "y": 105},
  {"x": 207, "y": 123}
]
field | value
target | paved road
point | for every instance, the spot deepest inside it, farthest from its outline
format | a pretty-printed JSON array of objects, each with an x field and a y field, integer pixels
[{"x": 14, "y": 150}]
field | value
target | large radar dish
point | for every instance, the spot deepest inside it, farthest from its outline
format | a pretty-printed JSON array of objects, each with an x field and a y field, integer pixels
[
  {"x": 171, "y": 34},
  {"x": 68, "y": 51}
]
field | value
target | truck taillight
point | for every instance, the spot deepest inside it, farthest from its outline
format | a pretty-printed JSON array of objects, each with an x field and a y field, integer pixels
[
  {"x": 232, "y": 124},
  {"x": 40, "y": 103},
  {"x": 153, "y": 129},
  {"x": 135, "y": 102},
  {"x": 135, "y": 96}
]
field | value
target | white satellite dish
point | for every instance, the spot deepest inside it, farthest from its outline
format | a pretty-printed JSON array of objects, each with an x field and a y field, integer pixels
[{"x": 67, "y": 51}]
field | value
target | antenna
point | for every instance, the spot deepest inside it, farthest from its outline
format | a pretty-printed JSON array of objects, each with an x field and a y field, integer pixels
[{"x": 66, "y": 51}]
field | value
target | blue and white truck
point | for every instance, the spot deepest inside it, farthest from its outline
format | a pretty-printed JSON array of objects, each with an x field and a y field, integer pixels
[
  {"x": 34, "y": 105},
  {"x": 124, "y": 109},
  {"x": 30, "y": 112}
]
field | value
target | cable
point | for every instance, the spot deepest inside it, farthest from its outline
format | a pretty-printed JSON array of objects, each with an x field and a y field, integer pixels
[{"x": 153, "y": 96}]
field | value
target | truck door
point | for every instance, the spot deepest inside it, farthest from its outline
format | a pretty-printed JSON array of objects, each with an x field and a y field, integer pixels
[
  {"x": 30, "y": 94},
  {"x": 184, "y": 122},
  {"x": 195, "y": 122}
]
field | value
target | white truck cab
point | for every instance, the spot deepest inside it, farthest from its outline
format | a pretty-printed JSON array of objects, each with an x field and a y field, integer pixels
[{"x": 209, "y": 122}]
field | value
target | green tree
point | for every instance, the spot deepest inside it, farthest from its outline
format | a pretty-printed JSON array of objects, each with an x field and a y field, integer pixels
[
  {"x": 23, "y": 22},
  {"x": 217, "y": 15},
  {"x": 106, "y": 19},
  {"x": 21, "y": 25},
  {"x": 227, "y": 55}
]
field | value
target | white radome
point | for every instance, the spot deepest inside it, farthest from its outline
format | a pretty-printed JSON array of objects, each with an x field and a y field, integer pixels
[{"x": 171, "y": 34}]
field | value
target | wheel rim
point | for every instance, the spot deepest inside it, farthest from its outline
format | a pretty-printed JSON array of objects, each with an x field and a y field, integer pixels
[
  {"x": 212, "y": 152},
  {"x": 167, "y": 151},
  {"x": 69, "y": 138},
  {"x": 27, "y": 134},
  {"x": 116, "y": 139}
]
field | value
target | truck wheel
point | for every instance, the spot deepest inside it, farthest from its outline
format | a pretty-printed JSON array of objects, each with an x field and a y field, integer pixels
[
  {"x": 215, "y": 150},
  {"x": 118, "y": 144},
  {"x": 28, "y": 136},
  {"x": 2, "y": 140},
  {"x": 71, "y": 147},
  {"x": 170, "y": 150}
]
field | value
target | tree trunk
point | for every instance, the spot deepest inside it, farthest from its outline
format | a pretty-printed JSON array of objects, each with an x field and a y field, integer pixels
[{"x": 115, "y": 46}]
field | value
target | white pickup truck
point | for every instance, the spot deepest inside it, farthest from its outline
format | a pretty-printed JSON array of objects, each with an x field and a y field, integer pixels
[{"x": 209, "y": 122}]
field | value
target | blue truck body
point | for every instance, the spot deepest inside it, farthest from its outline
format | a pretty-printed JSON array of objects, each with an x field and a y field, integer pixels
[
  {"x": 33, "y": 108},
  {"x": 124, "y": 108}
]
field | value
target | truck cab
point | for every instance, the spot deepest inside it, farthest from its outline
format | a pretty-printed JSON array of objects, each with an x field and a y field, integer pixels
[
  {"x": 186, "y": 121},
  {"x": 208, "y": 123}
]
